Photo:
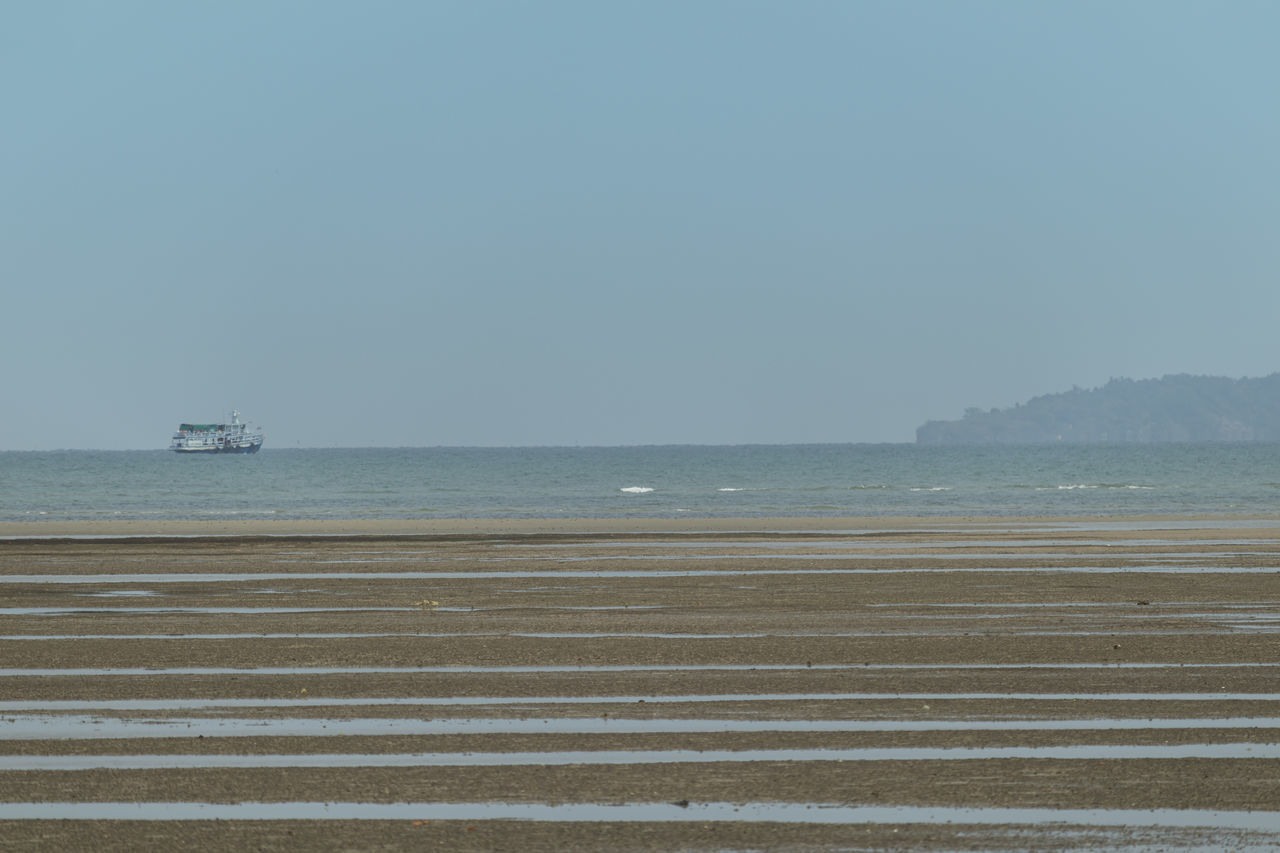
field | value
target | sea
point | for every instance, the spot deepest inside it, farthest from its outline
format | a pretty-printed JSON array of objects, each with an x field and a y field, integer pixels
[{"x": 643, "y": 482}]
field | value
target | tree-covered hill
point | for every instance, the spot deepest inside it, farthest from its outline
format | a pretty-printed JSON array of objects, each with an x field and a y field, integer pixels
[{"x": 1174, "y": 408}]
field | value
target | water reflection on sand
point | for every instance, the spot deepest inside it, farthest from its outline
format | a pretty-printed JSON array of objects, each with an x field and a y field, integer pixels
[{"x": 1074, "y": 649}]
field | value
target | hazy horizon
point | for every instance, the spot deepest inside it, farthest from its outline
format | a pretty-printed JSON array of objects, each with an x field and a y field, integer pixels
[
  {"x": 300, "y": 446},
  {"x": 596, "y": 225}
]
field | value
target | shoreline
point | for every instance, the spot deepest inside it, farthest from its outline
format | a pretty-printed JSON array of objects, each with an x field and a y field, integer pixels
[{"x": 162, "y": 528}]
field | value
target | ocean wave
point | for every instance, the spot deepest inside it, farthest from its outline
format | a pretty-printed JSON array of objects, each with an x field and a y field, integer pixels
[
  {"x": 636, "y": 490},
  {"x": 931, "y": 489},
  {"x": 1074, "y": 486}
]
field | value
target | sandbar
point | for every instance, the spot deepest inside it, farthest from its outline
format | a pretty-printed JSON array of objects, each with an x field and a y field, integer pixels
[{"x": 940, "y": 622}]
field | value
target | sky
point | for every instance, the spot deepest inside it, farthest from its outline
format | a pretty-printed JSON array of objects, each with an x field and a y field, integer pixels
[{"x": 583, "y": 223}]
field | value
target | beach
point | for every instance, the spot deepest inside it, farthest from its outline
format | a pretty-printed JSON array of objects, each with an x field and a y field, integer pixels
[{"x": 693, "y": 683}]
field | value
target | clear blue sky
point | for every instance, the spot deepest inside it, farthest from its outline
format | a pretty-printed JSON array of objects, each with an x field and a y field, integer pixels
[{"x": 502, "y": 223}]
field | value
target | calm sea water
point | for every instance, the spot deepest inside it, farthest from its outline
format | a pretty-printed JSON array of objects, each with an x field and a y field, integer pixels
[{"x": 667, "y": 481}]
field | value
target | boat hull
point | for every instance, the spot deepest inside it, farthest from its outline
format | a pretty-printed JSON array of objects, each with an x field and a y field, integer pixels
[{"x": 250, "y": 448}]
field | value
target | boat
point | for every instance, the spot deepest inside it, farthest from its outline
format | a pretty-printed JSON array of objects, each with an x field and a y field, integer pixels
[{"x": 234, "y": 437}]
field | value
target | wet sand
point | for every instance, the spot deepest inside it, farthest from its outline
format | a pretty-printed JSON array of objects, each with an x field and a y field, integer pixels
[
  {"x": 1073, "y": 669},
  {"x": 487, "y": 527}
]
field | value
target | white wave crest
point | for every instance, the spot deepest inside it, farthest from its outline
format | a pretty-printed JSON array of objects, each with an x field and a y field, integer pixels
[
  {"x": 636, "y": 490},
  {"x": 1071, "y": 486},
  {"x": 730, "y": 489}
]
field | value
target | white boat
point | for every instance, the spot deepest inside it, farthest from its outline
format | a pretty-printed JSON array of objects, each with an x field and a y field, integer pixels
[{"x": 234, "y": 437}]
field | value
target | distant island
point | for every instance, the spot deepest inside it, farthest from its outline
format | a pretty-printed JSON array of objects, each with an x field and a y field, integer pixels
[{"x": 1173, "y": 408}]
